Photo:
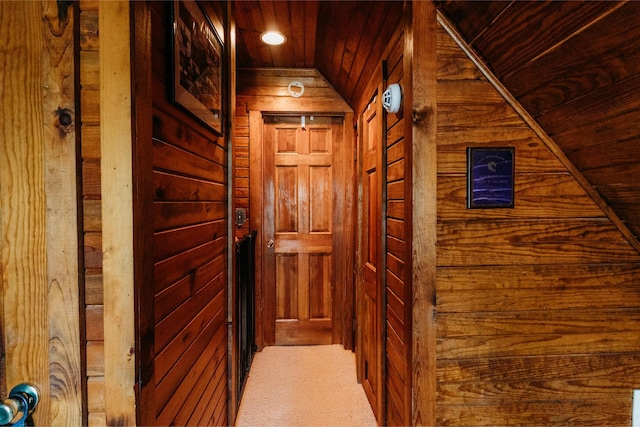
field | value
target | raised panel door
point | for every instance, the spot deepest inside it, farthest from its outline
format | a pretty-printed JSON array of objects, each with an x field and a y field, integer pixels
[{"x": 299, "y": 179}]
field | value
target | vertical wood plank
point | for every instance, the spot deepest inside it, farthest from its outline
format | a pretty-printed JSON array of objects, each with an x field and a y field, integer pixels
[
  {"x": 22, "y": 201},
  {"x": 142, "y": 210},
  {"x": 339, "y": 306},
  {"x": 62, "y": 212},
  {"x": 92, "y": 292},
  {"x": 232, "y": 315},
  {"x": 420, "y": 52},
  {"x": 359, "y": 250},
  {"x": 256, "y": 202},
  {"x": 117, "y": 211},
  {"x": 346, "y": 306}
]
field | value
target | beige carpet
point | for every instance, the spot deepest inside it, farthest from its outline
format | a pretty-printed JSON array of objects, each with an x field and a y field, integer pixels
[{"x": 304, "y": 386}]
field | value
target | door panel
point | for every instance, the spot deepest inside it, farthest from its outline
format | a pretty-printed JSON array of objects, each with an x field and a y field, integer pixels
[
  {"x": 320, "y": 197},
  {"x": 287, "y": 196},
  {"x": 286, "y": 296},
  {"x": 299, "y": 173},
  {"x": 371, "y": 311},
  {"x": 319, "y": 285}
]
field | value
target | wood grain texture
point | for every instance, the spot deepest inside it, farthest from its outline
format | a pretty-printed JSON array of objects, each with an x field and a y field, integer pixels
[
  {"x": 188, "y": 214},
  {"x": 398, "y": 281},
  {"x": 424, "y": 93},
  {"x": 555, "y": 69},
  {"x": 523, "y": 19},
  {"x": 256, "y": 183},
  {"x": 370, "y": 314},
  {"x": 344, "y": 310},
  {"x": 273, "y": 82},
  {"x": 241, "y": 167},
  {"x": 89, "y": 80},
  {"x": 62, "y": 207},
  {"x": 274, "y": 95},
  {"x": 536, "y": 314},
  {"x": 142, "y": 186},
  {"x": 345, "y": 40},
  {"x": 300, "y": 173},
  {"x": 23, "y": 202},
  {"x": 484, "y": 13},
  {"x": 574, "y": 68},
  {"x": 117, "y": 212}
]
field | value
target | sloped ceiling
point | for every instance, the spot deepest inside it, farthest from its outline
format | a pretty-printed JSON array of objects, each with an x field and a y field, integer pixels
[
  {"x": 344, "y": 40},
  {"x": 573, "y": 65}
]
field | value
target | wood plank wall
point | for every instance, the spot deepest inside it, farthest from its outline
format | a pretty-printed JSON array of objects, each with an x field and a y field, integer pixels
[
  {"x": 92, "y": 220},
  {"x": 398, "y": 250},
  {"x": 241, "y": 167},
  {"x": 190, "y": 251},
  {"x": 210, "y": 277},
  {"x": 537, "y": 306}
]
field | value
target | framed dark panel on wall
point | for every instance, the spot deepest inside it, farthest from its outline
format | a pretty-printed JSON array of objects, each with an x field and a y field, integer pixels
[
  {"x": 197, "y": 64},
  {"x": 490, "y": 177}
]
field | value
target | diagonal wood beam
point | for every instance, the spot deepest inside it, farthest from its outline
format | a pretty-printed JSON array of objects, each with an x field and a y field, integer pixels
[{"x": 546, "y": 139}]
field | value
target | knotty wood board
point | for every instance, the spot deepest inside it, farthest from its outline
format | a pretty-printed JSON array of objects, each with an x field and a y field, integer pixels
[
  {"x": 39, "y": 205},
  {"x": 23, "y": 214},
  {"x": 65, "y": 366}
]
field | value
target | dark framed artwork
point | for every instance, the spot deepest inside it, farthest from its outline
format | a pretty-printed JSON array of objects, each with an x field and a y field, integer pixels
[
  {"x": 197, "y": 64},
  {"x": 490, "y": 177}
]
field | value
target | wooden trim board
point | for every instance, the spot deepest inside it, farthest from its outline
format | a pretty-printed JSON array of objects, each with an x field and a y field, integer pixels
[{"x": 117, "y": 211}]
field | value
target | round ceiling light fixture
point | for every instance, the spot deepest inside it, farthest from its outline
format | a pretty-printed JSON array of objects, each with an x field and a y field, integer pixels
[{"x": 273, "y": 38}]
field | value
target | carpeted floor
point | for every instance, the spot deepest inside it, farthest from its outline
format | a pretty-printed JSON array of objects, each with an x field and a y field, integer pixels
[{"x": 304, "y": 386}]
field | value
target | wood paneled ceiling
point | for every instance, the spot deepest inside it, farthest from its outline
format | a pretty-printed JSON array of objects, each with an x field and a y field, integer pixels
[
  {"x": 344, "y": 40},
  {"x": 573, "y": 65}
]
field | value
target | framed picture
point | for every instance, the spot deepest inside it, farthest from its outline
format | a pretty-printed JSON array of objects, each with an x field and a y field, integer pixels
[
  {"x": 197, "y": 64},
  {"x": 490, "y": 177}
]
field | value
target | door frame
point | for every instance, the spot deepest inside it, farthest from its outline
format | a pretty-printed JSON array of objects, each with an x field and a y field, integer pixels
[
  {"x": 311, "y": 331},
  {"x": 344, "y": 296},
  {"x": 379, "y": 409}
]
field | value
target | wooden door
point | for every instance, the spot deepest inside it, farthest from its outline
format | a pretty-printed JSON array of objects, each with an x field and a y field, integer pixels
[
  {"x": 370, "y": 243},
  {"x": 299, "y": 227}
]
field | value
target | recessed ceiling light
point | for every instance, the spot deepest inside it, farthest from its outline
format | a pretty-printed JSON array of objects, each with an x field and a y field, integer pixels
[{"x": 274, "y": 38}]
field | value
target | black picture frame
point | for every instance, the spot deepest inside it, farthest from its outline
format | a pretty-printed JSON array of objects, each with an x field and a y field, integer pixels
[
  {"x": 490, "y": 177},
  {"x": 197, "y": 64}
]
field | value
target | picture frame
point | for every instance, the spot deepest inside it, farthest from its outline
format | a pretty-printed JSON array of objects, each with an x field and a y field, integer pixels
[
  {"x": 197, "y": 64},
  {"x": 490, "y": 177}
]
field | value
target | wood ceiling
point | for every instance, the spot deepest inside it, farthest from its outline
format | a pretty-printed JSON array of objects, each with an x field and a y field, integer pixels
[
  {"x": 573, "y": 65},
  {"x": 344, "y": 40}
]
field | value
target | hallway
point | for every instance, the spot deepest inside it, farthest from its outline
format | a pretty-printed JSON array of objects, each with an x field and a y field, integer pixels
[{"x": 304, "y": 386}]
